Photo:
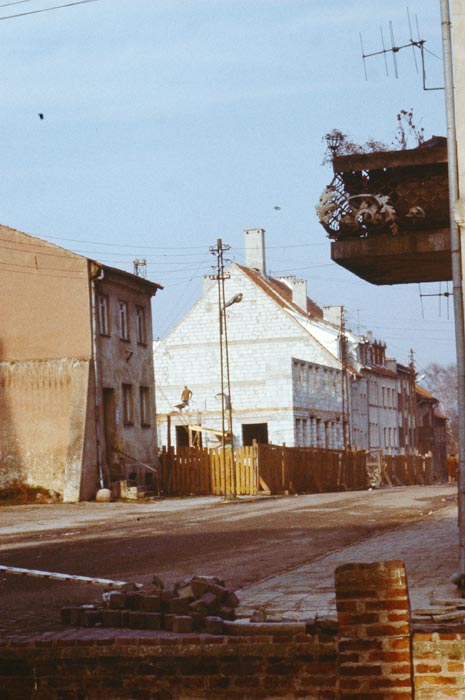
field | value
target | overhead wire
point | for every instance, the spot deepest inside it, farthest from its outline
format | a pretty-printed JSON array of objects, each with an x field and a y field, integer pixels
[
  {"x": 15, "y": 2},
  {"x": 46, "y": 9}
]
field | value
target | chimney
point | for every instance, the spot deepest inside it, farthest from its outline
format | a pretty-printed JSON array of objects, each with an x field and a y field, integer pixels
[
  {"x": 333, "y": 314},
  {"x": 299, "y": 290},
  {"x": 255, "y": 249},
  {"x": 208, "y": 281}
]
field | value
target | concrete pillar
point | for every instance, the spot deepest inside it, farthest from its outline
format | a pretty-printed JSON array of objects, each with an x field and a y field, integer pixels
[
  {"x": 313, "y": 434},
  {"x": 375, "y": 660}
]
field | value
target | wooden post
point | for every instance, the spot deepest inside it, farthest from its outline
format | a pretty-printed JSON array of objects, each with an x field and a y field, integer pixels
[{"x": 168, "y": 450}]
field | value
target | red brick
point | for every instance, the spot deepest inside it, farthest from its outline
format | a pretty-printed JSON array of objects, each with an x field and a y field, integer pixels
[
  {"x": 428, "y": 668},
  {"x": 435, "y": 680}
]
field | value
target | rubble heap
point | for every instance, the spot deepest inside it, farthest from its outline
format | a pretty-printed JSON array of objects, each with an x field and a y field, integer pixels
[{"x": 196, "y": 603}]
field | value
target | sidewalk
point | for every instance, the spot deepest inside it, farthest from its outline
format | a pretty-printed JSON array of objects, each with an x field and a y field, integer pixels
[{"x": 429, "y": 549}]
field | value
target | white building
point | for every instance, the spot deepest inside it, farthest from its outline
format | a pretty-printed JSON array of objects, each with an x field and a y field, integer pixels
[{"x": 285, "y": 371}]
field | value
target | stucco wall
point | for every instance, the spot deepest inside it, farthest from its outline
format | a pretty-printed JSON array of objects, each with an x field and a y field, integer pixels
[
  {"x": 42, "y": 418},
  {"x": 128, "y": 362},
  {"x": 45, "y": 300}
]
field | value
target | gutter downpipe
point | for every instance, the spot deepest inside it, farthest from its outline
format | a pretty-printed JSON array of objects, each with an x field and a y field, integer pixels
[
  {"x": 457, "y": 281},
  {"x": 99, "y": 276}
]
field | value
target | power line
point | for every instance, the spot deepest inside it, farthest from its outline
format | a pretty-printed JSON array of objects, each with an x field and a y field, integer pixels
[
  {"x": 16, "y": 2},
  {"x": 45, "y": 9}
]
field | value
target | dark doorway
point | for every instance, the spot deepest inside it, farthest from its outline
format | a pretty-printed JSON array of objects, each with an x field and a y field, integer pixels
[
  {"x": 254, "y": 431},
  {"x": 182, "y": 436},
  {"x": 109, "y": 423}
]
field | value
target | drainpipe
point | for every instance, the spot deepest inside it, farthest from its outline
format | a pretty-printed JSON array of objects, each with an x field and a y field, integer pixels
[
  {"x": 457, "y": 282},
  {"x": 99, "y": 276}
]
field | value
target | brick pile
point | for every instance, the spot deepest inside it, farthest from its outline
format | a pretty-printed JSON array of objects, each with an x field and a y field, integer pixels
[{"x": 194, "y": 604}]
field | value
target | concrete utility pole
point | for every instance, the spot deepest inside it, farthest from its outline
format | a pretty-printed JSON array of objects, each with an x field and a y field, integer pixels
[
  {"x": 230, "y": 484},
  {"x": 455, "y": 104}
]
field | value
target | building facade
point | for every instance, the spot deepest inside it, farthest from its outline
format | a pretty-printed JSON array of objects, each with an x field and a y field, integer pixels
[
  {"x": 77, "y": 406},
  {"x": 282, "y": 362},
  {"x": 297, "y": 375}
]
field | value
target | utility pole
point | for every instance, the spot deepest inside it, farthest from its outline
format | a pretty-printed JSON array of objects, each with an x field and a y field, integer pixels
[
  {"x": 456, "y": 176},
  {"x": 226, "y": 406},
  {"x": 344, "y": 384}
]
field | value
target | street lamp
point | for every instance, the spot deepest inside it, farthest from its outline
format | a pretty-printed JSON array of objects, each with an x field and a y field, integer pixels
[
  {"x": 226, "y": 398},
  {"x": 334, "y": 140}
]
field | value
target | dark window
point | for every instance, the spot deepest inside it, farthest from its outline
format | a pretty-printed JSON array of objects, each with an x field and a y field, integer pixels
[
  {"x": 182, "y": 436},
  {"x": 123, "y": 320},
  {"x": 144, "y": 395},
  {"x": 128, "y": 404},
  {"x": 104, "y": 315},
  {"x": 254, "y": 431},
  {"x": 141, "y": 327}
]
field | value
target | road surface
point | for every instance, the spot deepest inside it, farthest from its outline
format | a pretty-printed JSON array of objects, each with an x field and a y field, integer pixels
[{"x": 243, "y": 542}]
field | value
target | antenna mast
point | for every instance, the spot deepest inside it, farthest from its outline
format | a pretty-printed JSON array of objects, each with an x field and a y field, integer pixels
[{"x": 394, "y": 50}]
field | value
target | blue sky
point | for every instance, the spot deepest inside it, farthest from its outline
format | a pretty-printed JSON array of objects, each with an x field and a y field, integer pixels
[{"x": 171, "y": 123}]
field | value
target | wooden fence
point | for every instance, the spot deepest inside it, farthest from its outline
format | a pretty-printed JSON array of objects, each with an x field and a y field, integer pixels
[
  {"x": 200, "y": 472},
  {"x": 310, "y": 469},
  {"x": 404, "y": 470},
  {"x": 270, "y": 468}
]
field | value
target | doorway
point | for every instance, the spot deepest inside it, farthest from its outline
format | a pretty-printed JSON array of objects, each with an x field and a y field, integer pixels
[{"x": 254, "y": 431}]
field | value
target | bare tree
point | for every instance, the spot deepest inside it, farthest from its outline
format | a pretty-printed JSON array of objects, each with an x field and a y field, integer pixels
[{"x": 441, "y": 381}]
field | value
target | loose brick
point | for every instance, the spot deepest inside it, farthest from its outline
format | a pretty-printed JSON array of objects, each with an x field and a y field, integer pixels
[
  {"x": 116, "y": 600},
  {"x": 182, "y": 624},
  {"x": 179, "y": 606},
  {"x": 214, "y": 625},
  {"x": 152, "y": 621},
  {"x": 150, "y": 603}
]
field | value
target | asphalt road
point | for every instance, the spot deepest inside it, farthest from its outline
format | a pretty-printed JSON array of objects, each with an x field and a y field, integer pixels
[{"x": 243, "y": 541}]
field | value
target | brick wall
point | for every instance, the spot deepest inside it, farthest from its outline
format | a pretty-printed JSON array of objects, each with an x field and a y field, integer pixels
[
  {"x": 374, "y": 631},
  {"x": 283, "y": 665},
  {"x": 371, "y": 654},
  {"x": 439, "y": 665}
]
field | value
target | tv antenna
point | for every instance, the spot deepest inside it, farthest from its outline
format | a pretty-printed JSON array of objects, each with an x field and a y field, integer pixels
[
  {"x": 417, "y": 44},
  {"x": 438, "y": 294}
]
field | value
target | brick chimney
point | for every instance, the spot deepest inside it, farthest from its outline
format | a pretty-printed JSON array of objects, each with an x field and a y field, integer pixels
[{"x": 255, "y": 249}]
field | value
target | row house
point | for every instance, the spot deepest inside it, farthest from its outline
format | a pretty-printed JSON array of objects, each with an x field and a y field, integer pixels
[
  {"x": 77, "y": 404},
  {"x": 297, "y": 375}
]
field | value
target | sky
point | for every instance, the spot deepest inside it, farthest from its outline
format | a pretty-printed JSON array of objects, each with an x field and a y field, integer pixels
[{"x": 171, "y": 123}]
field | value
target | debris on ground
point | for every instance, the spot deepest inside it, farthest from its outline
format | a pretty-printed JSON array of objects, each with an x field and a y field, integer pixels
[
  {"x": 18, "y": 493},
  {"x": 194, "y": 604}
]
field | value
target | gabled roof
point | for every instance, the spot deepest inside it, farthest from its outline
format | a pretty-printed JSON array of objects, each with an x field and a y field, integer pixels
[
  {"x": 381, "y": 371},
  {"x": 280, "y": 292},
  {"x": 424, "y": 393},
  {"x": 149, "y": 286},
  {"x": 34, "y": 245}
]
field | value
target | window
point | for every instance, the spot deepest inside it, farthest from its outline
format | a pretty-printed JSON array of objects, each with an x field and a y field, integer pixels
[
  {"x": 123, "y": 320},
  {"x": 103, "y": 315},
  {"x": 128, "y": 404},
  {"x": 141, "y": 329},
  {"x": 144, "y": 394}
]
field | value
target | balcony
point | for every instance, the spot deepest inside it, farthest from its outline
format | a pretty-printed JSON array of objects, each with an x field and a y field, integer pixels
[{"x": 387, "y": 214}]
